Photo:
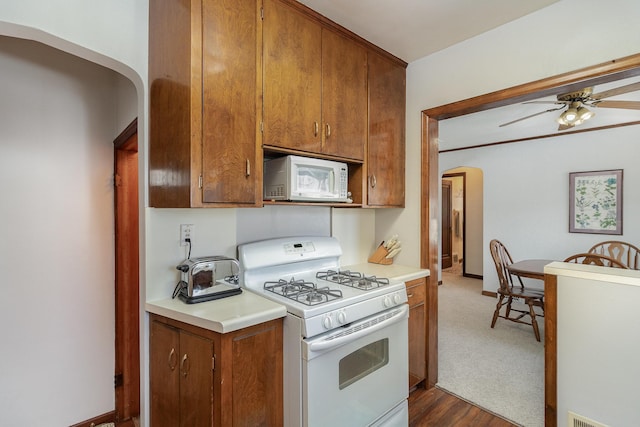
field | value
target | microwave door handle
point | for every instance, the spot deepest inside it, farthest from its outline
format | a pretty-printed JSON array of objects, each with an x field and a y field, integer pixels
[{"x": 332, "y": 180}]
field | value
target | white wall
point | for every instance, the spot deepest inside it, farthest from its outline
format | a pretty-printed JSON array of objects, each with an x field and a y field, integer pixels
[
  {"x": 58, "y": 119},
  {"x": 598, "y": 336},
  {"x": 527, "y": 202},
  {"x": 60, "y": 328},
  {"x": 525, "y": 50}
]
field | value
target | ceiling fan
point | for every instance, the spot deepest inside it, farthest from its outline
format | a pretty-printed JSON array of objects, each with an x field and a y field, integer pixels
[{"x": 575, "y": 105}]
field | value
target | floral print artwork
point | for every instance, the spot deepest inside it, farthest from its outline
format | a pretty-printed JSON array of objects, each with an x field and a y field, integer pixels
[{"x": 595, "y": 202}]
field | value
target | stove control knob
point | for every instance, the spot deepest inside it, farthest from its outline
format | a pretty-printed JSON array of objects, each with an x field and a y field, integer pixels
[
  {"x": 397, "y": 299},
  {"x": 342, "y": 317},
  {"x": 387, "y": 302},
  {"x": 326, "y": 322}
]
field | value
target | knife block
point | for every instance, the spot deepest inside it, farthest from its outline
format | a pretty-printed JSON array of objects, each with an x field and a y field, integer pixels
[{"x": 379, "y": 255}]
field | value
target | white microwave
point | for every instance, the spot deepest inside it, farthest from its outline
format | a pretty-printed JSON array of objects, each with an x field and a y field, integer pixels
[{"x": 304, "y": 179}]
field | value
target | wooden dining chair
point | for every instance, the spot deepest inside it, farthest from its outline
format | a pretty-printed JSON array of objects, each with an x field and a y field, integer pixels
[
  {"x": 624, "y": 252},
  {"x": 595, "y": 259},
  {"x": 509, "y": 290}
]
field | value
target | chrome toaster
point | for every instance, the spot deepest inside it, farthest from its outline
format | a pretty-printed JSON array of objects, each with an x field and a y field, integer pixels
[{"x": 207, "y": 278}]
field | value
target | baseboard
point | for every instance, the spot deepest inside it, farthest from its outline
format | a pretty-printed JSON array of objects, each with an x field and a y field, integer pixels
[
  {"x": 473, "y": 276},
  {"x": 109, "y": 417},
  {"x": 490, "y": 294}
]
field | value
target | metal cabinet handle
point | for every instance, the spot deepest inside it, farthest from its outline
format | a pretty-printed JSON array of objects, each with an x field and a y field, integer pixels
[
  {"x": 410, "y": 296},
  {"x": 184, "y": 365},
  {"x": 328, "y": 130},
  {"x": 248, "y": 170},
  {"x": 372, "y": 181},
  {"x": 315, "y": 128},
  {"x": 172, "y": 359}
]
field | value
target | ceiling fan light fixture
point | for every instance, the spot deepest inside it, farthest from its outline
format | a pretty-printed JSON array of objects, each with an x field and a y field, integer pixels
[
  {"x": 584, "y": 114},
  {"x": 571, "y": 114},
  {"x": 561, "y": 120}
]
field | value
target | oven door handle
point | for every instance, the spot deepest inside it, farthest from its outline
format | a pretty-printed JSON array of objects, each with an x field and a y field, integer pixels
[{"x": 358, "y": 330}]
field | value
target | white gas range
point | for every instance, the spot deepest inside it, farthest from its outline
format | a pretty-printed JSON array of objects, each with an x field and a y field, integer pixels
[{"x": 345, "y": 334}]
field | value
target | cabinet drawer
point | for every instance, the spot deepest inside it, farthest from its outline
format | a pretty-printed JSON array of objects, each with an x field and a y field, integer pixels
[{"x": 416, "y": 293}]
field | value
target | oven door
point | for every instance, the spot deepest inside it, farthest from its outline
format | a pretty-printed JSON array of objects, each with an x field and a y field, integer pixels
[{"x": 354, "y": 375}]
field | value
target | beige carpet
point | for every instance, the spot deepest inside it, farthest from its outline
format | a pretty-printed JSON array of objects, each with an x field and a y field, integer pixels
[{"x": 500, "y": 369}]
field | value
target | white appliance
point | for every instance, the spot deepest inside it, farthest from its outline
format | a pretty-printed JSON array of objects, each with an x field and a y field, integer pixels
[
  {"x": 345, "y": 333},
  {"x": 298, "y": 178}
]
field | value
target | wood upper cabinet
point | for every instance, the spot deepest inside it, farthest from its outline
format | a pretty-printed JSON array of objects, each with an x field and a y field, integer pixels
[
  {"x": 386, "y": 147},
  {"x": 199, "y": 377},
  {"x": 315, "y": 85},
  {"x": 344, "y": 96},
  {"x": 204, "y": 57}
]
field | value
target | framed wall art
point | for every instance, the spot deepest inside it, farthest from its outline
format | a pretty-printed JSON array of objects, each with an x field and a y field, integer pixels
[{"x": 595, "y": 202}]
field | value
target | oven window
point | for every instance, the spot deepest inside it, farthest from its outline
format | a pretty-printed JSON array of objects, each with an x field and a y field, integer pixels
[{"x": 363, "y": 361}]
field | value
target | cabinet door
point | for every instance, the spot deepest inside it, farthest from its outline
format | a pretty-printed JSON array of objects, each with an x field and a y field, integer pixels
[
  {"x": 344, "y": 96},
  {"x": 416, "y": 293},
  {"x": 292, "y": 79},
  {"x": 164, "y": 375},
  {"x": 257, "y": 376},
  {"x": 386, "y": 156},
  {"x": 196, "y": 380},
  {"x": 231, "y": 160}
]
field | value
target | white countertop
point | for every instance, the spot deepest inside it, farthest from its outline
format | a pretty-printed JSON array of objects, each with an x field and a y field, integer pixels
[
  {"x": 248, "y": 309},
  {"x": 395, "y": 272},
  {"x": 222, "y": 315}
]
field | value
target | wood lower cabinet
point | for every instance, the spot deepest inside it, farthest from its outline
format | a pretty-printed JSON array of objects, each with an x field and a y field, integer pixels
[
  {"x": 416, "y": 293},
  {"x": 386, "y": 147},
  {"x": 315, "y": 85},
  {"x": 201, "y": 378},
  {"x": 205, "y": 105}
]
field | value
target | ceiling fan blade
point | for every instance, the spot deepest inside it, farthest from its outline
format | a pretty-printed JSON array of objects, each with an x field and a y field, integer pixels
[
  {"x": 547, "y": 102},
  {"x": 565, "y": 127},
  {"x": 629, "y": 105},
  {"x": 530, "y": 116},
  {"x": 616, "y": 91}
]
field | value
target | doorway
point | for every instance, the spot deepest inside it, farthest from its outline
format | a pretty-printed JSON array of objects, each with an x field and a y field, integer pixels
[
  {"x": 601, "y": 73},
  {"x": 127, "y": 301},
  {"x": 453, "y": 213},
  {"x": 446, "y": 257}
]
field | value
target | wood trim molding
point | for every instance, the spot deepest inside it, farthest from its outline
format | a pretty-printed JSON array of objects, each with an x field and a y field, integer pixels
[
  {"x": 531, "y": 138},
  {"x": 605, "y": 72},
  {"x": 550, "y": 350},
  {"x": 125, "y": 135},
  {"x": 429, "y": 241}
]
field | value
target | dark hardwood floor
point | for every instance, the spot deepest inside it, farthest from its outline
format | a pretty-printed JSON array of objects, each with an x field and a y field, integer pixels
[{"x": 437, "y": 408}]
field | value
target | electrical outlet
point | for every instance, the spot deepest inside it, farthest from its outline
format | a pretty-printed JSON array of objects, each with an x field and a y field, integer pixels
[{"x": 186, "y": 232}]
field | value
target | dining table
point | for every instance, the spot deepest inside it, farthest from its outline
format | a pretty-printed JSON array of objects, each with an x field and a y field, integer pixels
[{"x": 530, "y": 268}]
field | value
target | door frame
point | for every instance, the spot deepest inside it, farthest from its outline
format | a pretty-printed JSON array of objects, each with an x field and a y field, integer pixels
[
  {"x": 127, "y": 272},
  {"x": 446, "y": 221},
  {"x": 574, "y": 80},
  {"x": 462, "y": 175}
]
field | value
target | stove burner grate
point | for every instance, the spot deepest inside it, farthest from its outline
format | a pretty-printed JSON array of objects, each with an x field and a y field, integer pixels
[
  {"x": 352, "y": 279},
  {"x": 302, "y": 291}
]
